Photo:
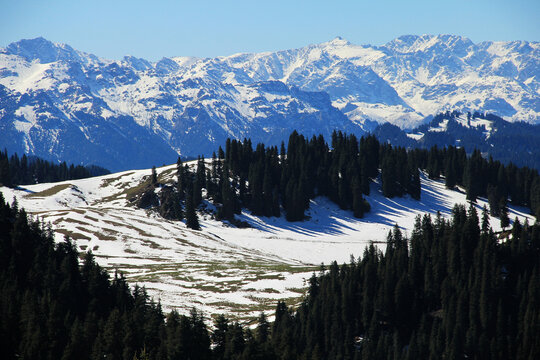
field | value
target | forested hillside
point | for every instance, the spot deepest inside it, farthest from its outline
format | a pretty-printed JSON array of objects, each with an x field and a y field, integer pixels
[
  {"x": 54, "y": 307},
  {"x": 15, "y": 170},
  {"x": 266, "y": 180},
  {"x": 508, "y": 142},
  {"x": 454, "y": 290}
]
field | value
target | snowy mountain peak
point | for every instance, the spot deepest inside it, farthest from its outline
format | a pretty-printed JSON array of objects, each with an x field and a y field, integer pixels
[
  {"x": 137, "y": 63},
  {"x": 166, "y": 66},
  {"x": 41, "y": 49},
  {"x": 45, "y": 52},
  {"x": 425, "y": 43},
  {"x": 185, "y": 105},
  {"x": 337, "y": 41}
]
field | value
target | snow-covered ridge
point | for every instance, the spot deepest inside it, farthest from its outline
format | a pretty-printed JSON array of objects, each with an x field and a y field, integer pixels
[
  {"x": 221, "y": 268},
  {"x": 190, "y": 105}
]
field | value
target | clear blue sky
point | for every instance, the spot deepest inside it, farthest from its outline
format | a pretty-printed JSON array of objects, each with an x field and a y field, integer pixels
[{"x": 153, "y": 29}]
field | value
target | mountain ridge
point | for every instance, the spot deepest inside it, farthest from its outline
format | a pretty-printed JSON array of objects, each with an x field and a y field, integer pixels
[
  {"x": 508, "y": 142},
  {"x": 179, "y": 103}
]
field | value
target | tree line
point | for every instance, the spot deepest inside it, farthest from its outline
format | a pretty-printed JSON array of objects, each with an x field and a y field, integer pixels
[
  {"x": 272, "y": 182},
  {"x": 483, "y": 177},
  {"x": 15, "y": 170},
  {"x": 269, "y": 182}
]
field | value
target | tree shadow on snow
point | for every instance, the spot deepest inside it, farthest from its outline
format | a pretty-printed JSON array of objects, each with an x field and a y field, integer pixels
[{"x": 325, "y": 217}]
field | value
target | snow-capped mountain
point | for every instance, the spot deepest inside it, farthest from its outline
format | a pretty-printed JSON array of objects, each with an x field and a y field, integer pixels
[{"x": 60, "y": 103}]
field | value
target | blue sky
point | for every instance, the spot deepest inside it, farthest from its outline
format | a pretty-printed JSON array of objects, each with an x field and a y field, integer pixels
[{"x": 154, "y": 29}]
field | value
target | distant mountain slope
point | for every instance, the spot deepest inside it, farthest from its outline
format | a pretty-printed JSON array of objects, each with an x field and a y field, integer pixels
[
  {"x": 60, "y": 103},
  {"x": 515, "y": 142}
]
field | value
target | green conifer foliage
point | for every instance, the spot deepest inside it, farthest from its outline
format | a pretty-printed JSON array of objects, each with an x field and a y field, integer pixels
[{"x": 192, "y": 221}]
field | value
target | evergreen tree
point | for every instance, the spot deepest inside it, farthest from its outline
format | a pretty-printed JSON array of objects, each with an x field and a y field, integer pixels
[
  {"x": 192, "y": 220},
  {"x": 535, "y": 198},
  {"x": 200, "y": 181},
  {"x": 505, "y": 220},
  {"x": 389, "y": 176},
  {"x": 153, "y": 178},
  {"x": 182, "y": 175},
  {"x": 414, "y": 185},
  {"x": 170, "y": 204},
  {"x": 450, "y": 169},
  {"x": 228, "y": 200},
  {"x": 451, "y": 290}
]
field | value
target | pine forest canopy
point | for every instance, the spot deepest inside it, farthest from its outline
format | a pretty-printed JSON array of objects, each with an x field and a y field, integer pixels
[
  {"x": 452, "y": 290},
  {"x": 267, "y": 181},
  {"x": 32, "y": 170}
]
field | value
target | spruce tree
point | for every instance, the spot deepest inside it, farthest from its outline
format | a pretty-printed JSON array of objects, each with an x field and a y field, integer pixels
[
  {"x": 388, "y": 175},
  {"x": 192, "y": 220},
  {"x": 181, "y": 173},
  {"x": 228, "y": 201},
  {"x": 200, "y": 181},
  {"x": 505, "y": 220},
  {"x": 414, "y": 185},
  {"x": 535, "y": 197},
  {"x": 153, "y": 178}
]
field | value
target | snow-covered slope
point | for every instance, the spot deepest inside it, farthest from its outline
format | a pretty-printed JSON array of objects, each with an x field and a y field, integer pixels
[
  {"x": 220, "y": 268},
  {"x": 60, "y": 103}
]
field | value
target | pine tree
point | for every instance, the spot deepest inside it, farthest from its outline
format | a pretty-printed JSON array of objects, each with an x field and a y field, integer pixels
[
  {"x": 414, "y": 186},
  {"x": 263, "y": 328},
  {"x": 219, "y": 335},
  {"x": 505, "y": 220},
  {"x": 182, "y": 174},
  {"x": 200, "y": 180},
  {"x": 535, "y": 198},
  {"x": 228, "y": 200},
  {"x": 388, "y": 176},
  {"x": 494, "y": 200},
  {"x": 5, "y": 175},
  {"x": 192, "y": 221},
  {"x": 450, "y": 169},
  {"x": 474, "y": 175},
  {"x": 153, "y": 178},
  {"x": 170, "y": 204}
]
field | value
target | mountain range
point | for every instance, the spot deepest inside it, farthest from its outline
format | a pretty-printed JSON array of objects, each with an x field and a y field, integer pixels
[{"x": 63, "y": 104}]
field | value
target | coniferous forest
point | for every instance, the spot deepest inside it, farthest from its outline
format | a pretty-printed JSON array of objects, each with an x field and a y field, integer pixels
[
  {"x": 23, "y": 171},
  {"x": 453, "y": 290},
  {"x": 271, "y": 182}
]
